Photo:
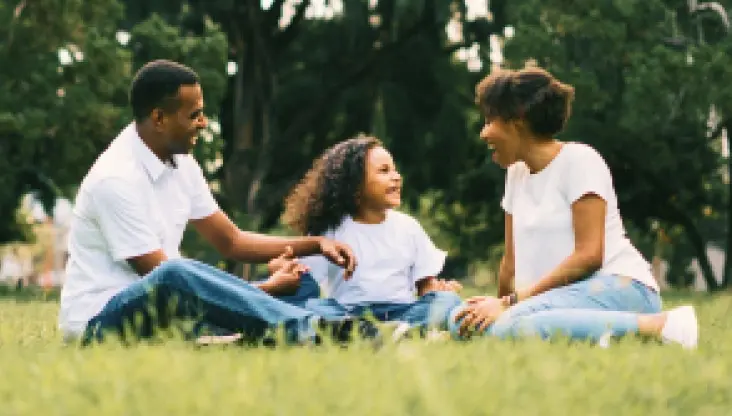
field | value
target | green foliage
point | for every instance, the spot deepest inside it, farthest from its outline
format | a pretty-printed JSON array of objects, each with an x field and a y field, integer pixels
[
  {"x": 446, "y": 378},
  {"x": 55, "y": 118},
  {"x": 638, "y": 101},
  {"x": 153, "y": 39},
  {"x": 647, "y": 75},
  {"x": 643, "y": 103},
  {"x": 304, "y": 86}
]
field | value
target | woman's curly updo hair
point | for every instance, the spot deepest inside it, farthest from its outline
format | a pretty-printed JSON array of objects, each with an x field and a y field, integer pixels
[
  {"x": 330, "y": 189},
  {"x": 531, "y": 94}
]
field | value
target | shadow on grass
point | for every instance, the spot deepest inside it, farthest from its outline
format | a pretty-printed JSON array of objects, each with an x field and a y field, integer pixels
[
  {"x": 681, "y": 295},
  {"x": 29, "y": 294}
]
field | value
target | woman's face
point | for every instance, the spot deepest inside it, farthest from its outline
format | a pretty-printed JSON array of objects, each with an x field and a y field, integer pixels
[{"x": 503, "y": 139}]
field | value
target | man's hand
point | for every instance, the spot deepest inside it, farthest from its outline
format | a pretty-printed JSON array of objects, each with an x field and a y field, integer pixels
[
  {"x": 340, "y": 254},
  {"x": 480, "y": 312},
  {"x": 279, "y": 262}
]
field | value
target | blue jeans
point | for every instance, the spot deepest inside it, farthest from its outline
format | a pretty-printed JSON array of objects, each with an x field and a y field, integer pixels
[
  {"x": 430, "y": 310},
  {"x": 585, "y": 310},
  {"x": 183, "y": 288},
  {"x": 309, "y": 289}
]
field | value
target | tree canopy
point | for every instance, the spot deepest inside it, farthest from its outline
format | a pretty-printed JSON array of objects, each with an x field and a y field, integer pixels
[{"x": 283, "y": 80}]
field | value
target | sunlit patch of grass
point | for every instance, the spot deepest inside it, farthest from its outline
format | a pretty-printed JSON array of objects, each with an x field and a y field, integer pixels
[{"x": 41, "y": 375}]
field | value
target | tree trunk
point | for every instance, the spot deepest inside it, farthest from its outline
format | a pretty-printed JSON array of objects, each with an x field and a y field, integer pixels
[
  {"x": 700, "y": 246},
  {"x": 727, "y": 280}
]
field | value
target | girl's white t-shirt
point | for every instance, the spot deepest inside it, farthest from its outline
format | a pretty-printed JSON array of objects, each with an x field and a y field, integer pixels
[
  {"x": 392, "y": 257},
  {"x": 540, "y": 205}
]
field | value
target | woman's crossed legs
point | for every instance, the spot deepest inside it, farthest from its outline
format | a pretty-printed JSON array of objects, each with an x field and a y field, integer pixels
[{"x": 595, "y": 309}]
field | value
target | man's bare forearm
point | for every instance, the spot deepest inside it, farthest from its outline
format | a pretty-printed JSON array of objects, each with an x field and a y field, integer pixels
[{"x": 259, "y": 248}]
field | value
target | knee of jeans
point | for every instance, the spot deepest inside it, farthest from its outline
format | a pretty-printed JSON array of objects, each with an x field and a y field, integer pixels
[
  {"x": 447, "y": 299},
  {"x": 172, "y": 271},
  {"x": 308, "y": 281},
  {"x": 505, "y": 326},
  {"x": 309, "y": 289},
  {"x": 519, "y": 327},
  {"x": 453, "y": 324}
]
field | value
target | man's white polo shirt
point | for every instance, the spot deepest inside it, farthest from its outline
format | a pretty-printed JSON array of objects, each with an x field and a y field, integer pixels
[{"x": 130, "y": 203}]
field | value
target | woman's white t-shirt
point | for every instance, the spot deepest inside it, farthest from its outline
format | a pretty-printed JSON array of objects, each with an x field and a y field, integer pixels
[
  {"x": 392, "y": 257},
  {"x": 541, "y": 207}
]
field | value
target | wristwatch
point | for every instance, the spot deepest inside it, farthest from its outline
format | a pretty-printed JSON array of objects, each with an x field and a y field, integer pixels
[{"x": 512, "y": 299}]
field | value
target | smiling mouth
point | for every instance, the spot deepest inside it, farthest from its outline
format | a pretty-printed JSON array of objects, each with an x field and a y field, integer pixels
[
  {"x": 491, "y": 146},
  {"x": 394, "y": 190}
]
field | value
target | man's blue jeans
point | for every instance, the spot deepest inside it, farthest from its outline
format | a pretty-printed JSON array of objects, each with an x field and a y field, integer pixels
[
  {"x": 183, "y": 288},
  {"x": 586, "y": 310}
]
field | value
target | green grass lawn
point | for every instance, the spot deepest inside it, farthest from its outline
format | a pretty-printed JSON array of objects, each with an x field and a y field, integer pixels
[{"x": 41, "y": 376}]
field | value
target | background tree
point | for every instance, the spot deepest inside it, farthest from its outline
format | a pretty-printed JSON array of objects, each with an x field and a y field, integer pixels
[
  {"x": 639, "y": 102},
  {"x": 305, "y": 80},
  {"x": 284, "y": 79},
  {"x": 62, "y": 87}
]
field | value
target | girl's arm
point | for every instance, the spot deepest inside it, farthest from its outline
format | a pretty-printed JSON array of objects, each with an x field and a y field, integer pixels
[
  {"x": 588, "y": 220},
  {"x": 506, "y": 269}
]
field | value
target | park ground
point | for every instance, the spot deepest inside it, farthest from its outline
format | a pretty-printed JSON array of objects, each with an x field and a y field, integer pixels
[{"x": 41, "y": 375}]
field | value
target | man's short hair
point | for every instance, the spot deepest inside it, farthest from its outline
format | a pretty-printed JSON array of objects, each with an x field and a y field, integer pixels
[{"x": 156, "y": 85}]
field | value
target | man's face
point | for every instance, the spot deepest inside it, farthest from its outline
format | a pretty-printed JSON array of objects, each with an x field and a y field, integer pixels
[{"x": 181, "y": 127}]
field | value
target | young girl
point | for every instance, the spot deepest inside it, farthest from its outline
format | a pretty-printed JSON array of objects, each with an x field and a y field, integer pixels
[
  {"x": 568, "y": 265},
  {"x": 350, "y": 194}
]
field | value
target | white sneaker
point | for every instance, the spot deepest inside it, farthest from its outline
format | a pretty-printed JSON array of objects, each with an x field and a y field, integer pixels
[
  {"x": 604, "y": 341},
  {"x": 400, "y": 332},
  {"x": 218, "y": 339},
  {"x": 681, "y": 327},
  {"x": 436, "y": 335}
]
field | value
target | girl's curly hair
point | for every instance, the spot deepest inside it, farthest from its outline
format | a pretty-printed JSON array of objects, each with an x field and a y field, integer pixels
[{"x": 329, "y": 190}]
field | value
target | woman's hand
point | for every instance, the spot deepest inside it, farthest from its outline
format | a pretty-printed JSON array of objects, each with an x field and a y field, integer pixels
[{"x": 480, "y": 312}]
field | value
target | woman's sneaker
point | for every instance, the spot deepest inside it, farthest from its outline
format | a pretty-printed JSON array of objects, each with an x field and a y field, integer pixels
[{"x": 681, "y": 327}]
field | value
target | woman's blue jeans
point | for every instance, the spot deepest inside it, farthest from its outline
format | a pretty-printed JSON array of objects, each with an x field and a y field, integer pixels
[{"x": 585, "y": 310}]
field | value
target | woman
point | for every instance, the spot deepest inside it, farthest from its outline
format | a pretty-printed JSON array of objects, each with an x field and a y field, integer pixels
[{"x": 568, "y": 266}]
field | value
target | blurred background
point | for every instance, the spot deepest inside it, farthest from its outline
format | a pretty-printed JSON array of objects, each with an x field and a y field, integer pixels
[{"x": 284, "y": 79}]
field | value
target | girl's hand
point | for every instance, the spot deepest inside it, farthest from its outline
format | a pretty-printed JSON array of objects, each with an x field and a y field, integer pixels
[
  {"x": 433, "y": 284},
  {"x": 286, "y": 280},
  {"x": 442, "y": 285}
]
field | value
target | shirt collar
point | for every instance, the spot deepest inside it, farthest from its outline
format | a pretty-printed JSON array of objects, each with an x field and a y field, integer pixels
[{"x": 152, "y": 164}]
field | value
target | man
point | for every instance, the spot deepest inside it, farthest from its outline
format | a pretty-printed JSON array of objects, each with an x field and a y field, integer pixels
[{"x": 128, "y": 221}]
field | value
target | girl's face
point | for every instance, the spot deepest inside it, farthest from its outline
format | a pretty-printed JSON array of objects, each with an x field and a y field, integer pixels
[
  {"x": 383, "y": 184},
  {"x": 503, "y": 139}
]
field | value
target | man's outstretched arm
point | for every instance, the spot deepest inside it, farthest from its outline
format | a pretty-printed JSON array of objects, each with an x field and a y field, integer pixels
[{"x": 251, "y": 247}]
